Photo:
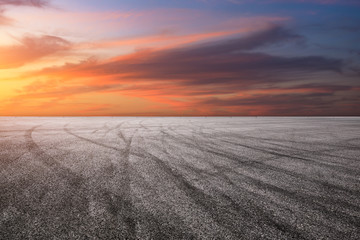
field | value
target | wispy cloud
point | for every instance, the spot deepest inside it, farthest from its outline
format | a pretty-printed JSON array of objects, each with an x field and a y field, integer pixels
[
  {"x": 33, "y": 3},
  {"x": 6, "y": 3},
  {"x": 29, "y": 49},
  {"x": 3, "y": 19},
  {"x": 293, "y": 103},
  {"x": 231, "y": 60},
  {"x": 228, "y": 76},
  {"x": 322, "y": 2},
  {"x": 217, "y": 57}
]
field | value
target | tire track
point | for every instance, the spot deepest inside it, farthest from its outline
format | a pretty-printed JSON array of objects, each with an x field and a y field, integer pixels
[
  {"x": 120, "y": 203},
  {"x": 127, "y": 207},
  {"x": 166, "y": 227},
  {"x": 221, "y": 215},
  {"x": 317, "y": 203},
  {"x": 67, "y": 130},
  {"x": 7, "y": 162},
  {"x": 72, "y": 178},
  {"x": 295, "y": 155},
  {"x": 181, "y": 178},
  {"x": 53, "y": 192},
  {"x": 252, "y": 163}
]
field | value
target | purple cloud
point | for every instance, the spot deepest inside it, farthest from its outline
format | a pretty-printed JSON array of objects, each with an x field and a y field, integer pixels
[{"x": 31, "y": 3}]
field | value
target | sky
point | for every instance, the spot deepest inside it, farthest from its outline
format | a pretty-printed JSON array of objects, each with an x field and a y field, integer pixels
[{"x": 180, "y": 58}]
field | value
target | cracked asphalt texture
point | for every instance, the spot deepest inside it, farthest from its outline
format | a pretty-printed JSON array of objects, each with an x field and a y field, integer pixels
[{"x": 179, "y": 178}]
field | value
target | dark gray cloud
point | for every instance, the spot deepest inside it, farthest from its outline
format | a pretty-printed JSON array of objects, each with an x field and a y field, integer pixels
[
  {"x": 231, "y": 64},
  {"x": 321, "y": 2},
  {"x": 294, "y": 104},
  {"x": 272, "y": 35},
  {"x": 270, "y": 100},
  {"x": 227, "y": 61}
]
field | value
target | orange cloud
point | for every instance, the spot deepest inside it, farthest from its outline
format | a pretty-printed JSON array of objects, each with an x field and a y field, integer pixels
[
  {"x": 4, "y": 20},
  {"x": 162, "y": 41},
  {"x": 219, "y": 77},
  {"x": 31, "y": 49}
]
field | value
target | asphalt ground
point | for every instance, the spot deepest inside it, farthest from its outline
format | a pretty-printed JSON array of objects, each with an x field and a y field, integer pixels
[{"x": 180, "y": 178}]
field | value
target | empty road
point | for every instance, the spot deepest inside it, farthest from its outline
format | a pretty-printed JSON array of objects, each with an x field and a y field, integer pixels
[{"x": 179, "y": 178}]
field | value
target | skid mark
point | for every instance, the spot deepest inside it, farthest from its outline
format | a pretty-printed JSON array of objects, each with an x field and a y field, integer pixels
[
  {"x": 317, "y": 203},
  {"x": 119, "y": 204},
  {"x": 90, "y": 140},
  {"x": 340, "y": 168},
  {"x": 6, "y": 163},
  {"x": 65, "y": 173},
  {"x": 221, "y": 178},
  {"x": 214, "y": 149},
  {"x": 225, "y": 215},
  {"x": 237, "y": 210},
  {"x": 128, "y": 209},
  {"x": 240, "y": 162}
]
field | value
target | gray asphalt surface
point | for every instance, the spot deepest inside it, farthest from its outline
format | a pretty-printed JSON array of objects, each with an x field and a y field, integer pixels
[{"x": 179, "y": 178}]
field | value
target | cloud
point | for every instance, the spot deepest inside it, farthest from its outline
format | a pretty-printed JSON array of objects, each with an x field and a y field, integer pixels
[
  {"x": 161, "y": 40},
  {"x": 30, "y": 49},
  {"x": 218, "y": 77},
  {"x": 291, "y": 104},
  {"x": 4, "y": 3},
  {"x": 4, "y": 20},
  {"x": 271, "y": 35},
  {"x": 232, "y": 62},
  {"x": 32, "y": 3},
  {"x": 64, "y": 91},
  {"x": 322, "y": 2}
]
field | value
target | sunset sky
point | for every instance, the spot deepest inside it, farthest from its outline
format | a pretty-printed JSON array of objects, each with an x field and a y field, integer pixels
[{"x": 179, "y": 57}]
